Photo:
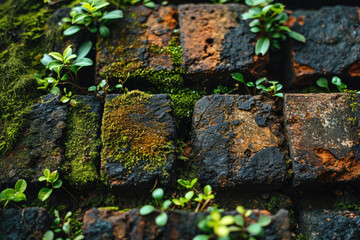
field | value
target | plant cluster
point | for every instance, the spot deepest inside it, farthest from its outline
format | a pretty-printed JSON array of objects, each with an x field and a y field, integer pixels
[
  {"x": 64, "y": 69},
  {"x": 336, "y": 81},
  {"x": 90, "y": 16},
  {"x": 15, "y": 194},
  {"x": 268, "y": 23},
  {"x": 265, "y": 86},
  {"x": 222, "y": 227},
  {"x": 52, "y": 182}
]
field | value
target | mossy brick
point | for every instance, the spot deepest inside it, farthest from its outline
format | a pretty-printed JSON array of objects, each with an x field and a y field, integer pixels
[
  {"x": 102, "y": 223},
  {"x": 82, "y": 151},
  {"x": 238, "y": 142},
  {"x": 41, "y": 145},
  {"x": 138, "y": 134},
  {"x": 329, "y": 224},
  {"x": 323, "y": 141},
  {"x": 215, "y": 40},
  {"x": 143, "y": 49},
  {"x": 331, "y": 47},
  {"x": 26, "y": 223}
]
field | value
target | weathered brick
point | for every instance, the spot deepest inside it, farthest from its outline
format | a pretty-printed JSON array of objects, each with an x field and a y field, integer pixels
[
  {"x": 41, "y": 145},
  {"x": 108, "y": 224},
  {"x": 330, "y": 224},
  {"x": 323, "y": 143},
  {"x": 237, "y": 141},
  {"x": 138, "y": 135},
  {"x": 142, "y": 47},
  {"x": 332, "y": 44},
  {"x": 215, "y": 39}
]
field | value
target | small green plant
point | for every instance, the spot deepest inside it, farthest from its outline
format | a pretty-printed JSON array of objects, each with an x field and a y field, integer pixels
[
  {"x": 52, "y": 180},
  {"x": 102, "y": 89},
  {"x": 268, "y": 24},
  {"x": 63, "y": 227},
  {"x": 223, "y": 1},
  {"x": 323, "y": 83},
  {"x": 65, "y": 66},
  {"x": 14, "y": 194},
  {"x": 270, "y": 88},
  {"x": 90, "y": 16},
  {"x": 158, "y": 195},
  {"x": 186, "y": 183},
  {"x": 221, "y": 227}
]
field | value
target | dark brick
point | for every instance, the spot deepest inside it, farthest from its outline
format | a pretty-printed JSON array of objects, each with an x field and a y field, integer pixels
[
  {"x": 26, "y": 223},
  {"x": 41, "y": 145},
  {"x": 138, "y": 135},
  {"x": 108, "y": 224},
  {"x": 215, "y": 39},
  {"x": 323, "y": 144},
  {"x": 249, "y": 156},
  {"x": 332, "y": 43},
  {"x": 330, "y": 224}
]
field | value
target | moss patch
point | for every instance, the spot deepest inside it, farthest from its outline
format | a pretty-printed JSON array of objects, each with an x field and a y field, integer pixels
[
  {"x": 82, "y": 146},
  {"x": 130, "y": 132}
]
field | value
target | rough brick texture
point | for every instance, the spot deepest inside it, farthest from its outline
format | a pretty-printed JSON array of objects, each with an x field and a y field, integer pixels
[
  {"x": 237, "y": 140},
  {"x": 332, "y": 44},
  {"x": 107, "y": 224},
  {"x": 42, "y": 143},
  {"x": 323, "y": 143},
  {"x": 215, "y": 40}
]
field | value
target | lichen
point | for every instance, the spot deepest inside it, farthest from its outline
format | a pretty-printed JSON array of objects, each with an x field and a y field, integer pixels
[
  {"x": 82, "y": 146},
  {"x": 130, "y": 133}
]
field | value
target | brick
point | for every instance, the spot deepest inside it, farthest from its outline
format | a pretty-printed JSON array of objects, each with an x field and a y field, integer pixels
[
  {"x": 332, "y": 43},
  {"x": 323, "y": 144},
  {"x": 103, "y": 223},
  {"x": 215, "y": 40},
  {"x": 238, "y": 141},
  {"x": 138, "y": 135},
  {"x": 41, "y": 145},
  {"x": 142, "y": 49},
  {"x": 330, "y": 224}
]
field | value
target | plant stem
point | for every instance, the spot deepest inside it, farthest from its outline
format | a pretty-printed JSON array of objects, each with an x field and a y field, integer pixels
[
  {"x": 206, "y": 203},
  {"x": 70, "y": 194},
  {"x": 75, "y": 85}
]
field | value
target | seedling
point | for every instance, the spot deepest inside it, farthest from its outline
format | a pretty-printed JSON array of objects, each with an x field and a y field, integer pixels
[
  {"x": 158, "y": 195},
  {"x": 90, "y": 16},
  {"x": 268, "y": 24},
  {"x": 52, "y": 180},
  {"x": 186, "y": 183},
  {"x": 14, "y": 194},
  {"x": 323, "y": 83}
]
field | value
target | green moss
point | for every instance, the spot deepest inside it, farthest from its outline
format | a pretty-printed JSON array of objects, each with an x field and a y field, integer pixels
[
  {"x": 129, "y": 136},
  {"x": 82, "y": 146}
]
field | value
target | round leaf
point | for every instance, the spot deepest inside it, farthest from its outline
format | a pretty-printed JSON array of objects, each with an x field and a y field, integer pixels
[
  {"x": 104, "y": 31},
  {"x": 8, "y": 194},
  {"x": 166, "y": 204},
  {"x": 336, "y": 81},
  {"x": 322, "y": 82},
  {"x": 240, "y": 209},
  {"x": 46, "y": 59},
  {"x": 20, "y": 185},
  {"x": 227, "y": 220},
  {"x": 113, "y": 15},
  {"x": 49, "y": 235},
  {"x": 66, "y": 228},
  {"x": 72, "y": 30},
  {"x": 84, "y": 49},
  {"x": 262, "y": 46},
  {"x": 147, "y": 209},
  {"x": 46, "y": 172},
  {"x": 55, "y": 90},
  {"x": 161, "y": 220},
  {"x": 239, "y": 220},
  {"x": 254, "y": 229},
  {"x": 264, "y": 220},
  {"x": 44, "y": 193},
  {"x": 222, "y": 231},
  {"x": 58, "y": 183},
  {"x": 177, "y": 202},
  {"x": 158, "y": 194},
  {"x": 19, "y": 197},
  {"x": 207, "y": 190},
  {"x": 201, "y": 237},
  {"x": 189, "y": 195}
]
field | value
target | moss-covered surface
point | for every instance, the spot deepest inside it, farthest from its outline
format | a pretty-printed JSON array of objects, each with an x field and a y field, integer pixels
[
  {"x": 130, "y": 134},
  {"x": 82, "y": 147}
]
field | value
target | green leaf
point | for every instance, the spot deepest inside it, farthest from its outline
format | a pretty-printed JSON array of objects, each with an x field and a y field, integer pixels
[
  {"x": 201, "y": 237},
  {"x": 101, "y": 5},
  {"x": 240, "y": 209},
  {"x": 322, "y": 82},
  {"x": 83, "y": 62},
  {"x": 238, "y": 77},
  {"x": 279, "y": 86},
  {"x": 93, "y": 30},
  {"x": 66, "y": 19},
  {"x": 177, "y": 202},
  {"x": 161, "y": 220},
  {"x": 184, "y": 183},
  {"x": 66, "y": 228},
  {"x": 247, "y": 213},
  {"x": 147, "y": 209},
  {"x": 42, "y": 178},
  {"x": 222, "y": 231},
  {"x": 54, "y": 65},
  {"x": 297, "y": 36},
  {"x": 20, "y": 185},
  {"x": 55, "y": 90},
  {"x": 104, "y": 31},
  {"x": 336, "y": 81},
  {"x": 118, "y": 85},
  {"x": 44, "y": 193},
  {"x": 72, "y": 30},
  {"x": 227, "y": 220},
  {"x": 8, "y": 194},
  {"x": 189, "y": 195},
  {"x": 166, "y": 204},
  {"x": 254, "y": 229},
  {"x": 79, "y": 17},
  {"x": 92, "y": 88},
  {"x": 65, "y": 99},
  {"x": 67, "y": 53},
  {"x": 158, "y": 194},
  {"x": 49, "y": 235},
  {"x": 46, "y": 172},
  {"x": 58, "y": 183},
  {"x": 79, "y": 237},
  {"x": 84, "y": 49},
  {"x": 19, "y": 196},
  {"x": 255, "y": 29},
  {"x": 57, "y": 56},
  {"x": 54, "y": 175},
  {"x": 254, "y": 23},
  {"x": 239, "y": 220},
  {"x": 46, "y": 59},
  {"x": 113, "y": 15},
  {"x": 193, "y": 182},
  {"x": 281, "y": 95},
  {"x": 250, "y": 84},
  {"x": 207, "y": 190},
  {"x": 264, "y": 220},
  {"x": 262, "y": 46},
  {"x": 150, "y": 4}
]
